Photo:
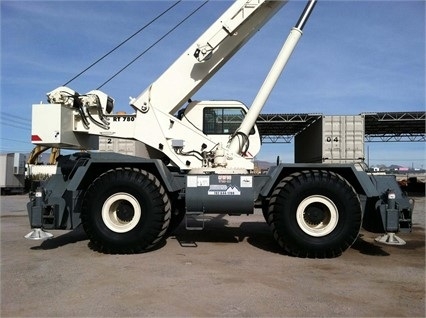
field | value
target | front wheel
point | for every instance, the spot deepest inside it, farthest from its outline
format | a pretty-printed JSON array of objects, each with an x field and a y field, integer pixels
[
  {"x": 315, "y": 214},
  {"x": 125, "y": 211}
]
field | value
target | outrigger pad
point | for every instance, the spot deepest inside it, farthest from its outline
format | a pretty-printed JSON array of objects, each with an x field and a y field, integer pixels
[
  {"x": 390, "y": 239},
  {"x": 38, "y": 234}
]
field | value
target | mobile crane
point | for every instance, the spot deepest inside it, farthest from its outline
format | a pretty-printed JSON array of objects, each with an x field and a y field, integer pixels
[{"x": 198, "y": 159}]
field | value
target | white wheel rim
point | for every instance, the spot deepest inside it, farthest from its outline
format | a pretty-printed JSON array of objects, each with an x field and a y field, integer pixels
[
  {"x": 121, "y": 212},
  {"x": 317, "y": 215}
]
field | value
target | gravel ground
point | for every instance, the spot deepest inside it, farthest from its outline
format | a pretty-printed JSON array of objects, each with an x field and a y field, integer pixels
[{"x": 233, "y": 268}]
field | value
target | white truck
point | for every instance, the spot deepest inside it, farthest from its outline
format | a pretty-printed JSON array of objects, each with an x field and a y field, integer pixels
[{"x": 199, "y": 159}]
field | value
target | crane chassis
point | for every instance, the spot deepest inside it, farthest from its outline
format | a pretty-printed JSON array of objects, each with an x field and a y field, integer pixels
[{"x": 198, "y": 160}]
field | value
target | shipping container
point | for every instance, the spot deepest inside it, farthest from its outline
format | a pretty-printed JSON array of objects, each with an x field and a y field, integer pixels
[
  {"x": 12, "y": 172},
  {"x": 331, "y": 139}
]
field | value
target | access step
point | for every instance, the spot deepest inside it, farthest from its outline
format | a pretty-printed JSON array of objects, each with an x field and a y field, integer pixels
[{"x": 194, "y": 220}]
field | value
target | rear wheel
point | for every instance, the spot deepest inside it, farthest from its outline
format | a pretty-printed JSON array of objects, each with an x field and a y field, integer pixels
[
  {"x": 315, "y": 214},
  {"x": 125, "y": 211}
]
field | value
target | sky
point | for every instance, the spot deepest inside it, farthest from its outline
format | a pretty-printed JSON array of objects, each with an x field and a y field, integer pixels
[{"x": 354, "y": 57}]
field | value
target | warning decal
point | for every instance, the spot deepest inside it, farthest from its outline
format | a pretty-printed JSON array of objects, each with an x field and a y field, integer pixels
[
  {"x": 246, "y": 182},
  {"x": 197, "y": 181}
]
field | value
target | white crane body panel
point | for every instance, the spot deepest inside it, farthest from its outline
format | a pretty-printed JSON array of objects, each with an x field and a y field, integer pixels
[
  {"x": 155, "y": 123},
  {"x": 215, "y": 47}
]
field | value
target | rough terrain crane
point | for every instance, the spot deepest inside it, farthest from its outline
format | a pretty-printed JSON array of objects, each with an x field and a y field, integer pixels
[{"x": 198, "y": 160}]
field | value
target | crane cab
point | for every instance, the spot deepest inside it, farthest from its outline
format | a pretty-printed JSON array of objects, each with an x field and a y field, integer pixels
[{"x": 219, "y": 120}]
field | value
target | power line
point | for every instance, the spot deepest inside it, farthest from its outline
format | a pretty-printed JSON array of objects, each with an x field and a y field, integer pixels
[
  {"x": 21, "y": 141},
  {"x": 126, "y": 40},
  {"x": 151, "y": 46},
  {"x": 14, "y": 117},
  {"x": 2, "y": 123},
  {"x": 16, "y": 121}
]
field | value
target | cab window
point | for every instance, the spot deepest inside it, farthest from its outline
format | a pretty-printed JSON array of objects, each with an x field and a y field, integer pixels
[{"x": 222, "y": 120}]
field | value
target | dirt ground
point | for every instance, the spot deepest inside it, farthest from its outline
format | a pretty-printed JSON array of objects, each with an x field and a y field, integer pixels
[{"x": 233, "y": 268}]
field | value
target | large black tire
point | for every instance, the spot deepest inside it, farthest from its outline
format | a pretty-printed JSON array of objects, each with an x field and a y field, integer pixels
[
  {"x": 125, "y": 211},
  {"x": 315, "y": 214}
]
